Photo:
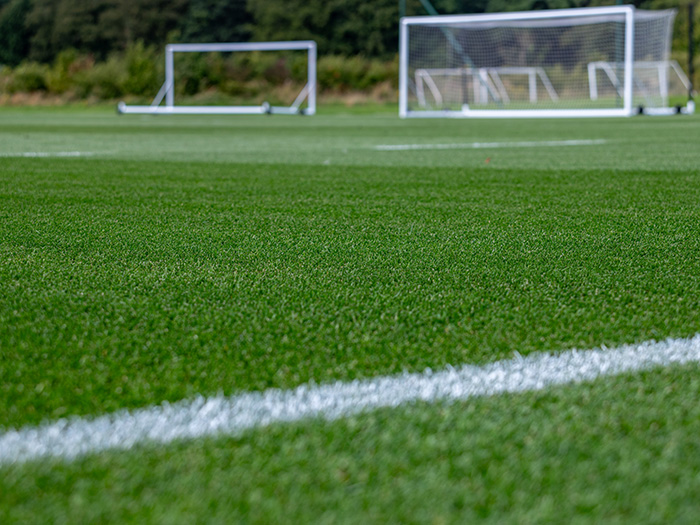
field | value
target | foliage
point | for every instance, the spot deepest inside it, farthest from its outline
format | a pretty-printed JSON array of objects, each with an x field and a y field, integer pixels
[
  {"x": 106, "y": 80},
  {"x": 53, "y": 31},
  {"x": 339, "y": 73},
  {"x": 340, "y": 27},
  {"x": 101, "y": 26},
  {"x": 135, "y": 72},
  {"x": 14, "y": 36},
  {"x": 62, "y": 24},
  {"x": 496, "y": 6},
  {"x": 141, "y": 73},
  {"x": 216, "y": 21},
  {"x": 138, "y": 72},
  {"x": 61, "y": 77},
  {"x": 40, "y": 29},
  {"x": 28, "y": 77}
]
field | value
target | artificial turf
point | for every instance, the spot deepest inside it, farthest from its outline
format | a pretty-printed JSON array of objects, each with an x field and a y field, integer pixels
[
  {"x": 205, "y": 255},
  {"x": 619, "y": 450}
]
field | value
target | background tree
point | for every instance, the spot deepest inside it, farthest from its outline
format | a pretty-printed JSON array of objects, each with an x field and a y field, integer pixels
[
  {"x": 100, "y": 26},
  {"x": 216, "y": 21},
  {"x": 14, "y": 35},
  {"x": 340, "y": 27},
  {"x": 40, "y": 29}
]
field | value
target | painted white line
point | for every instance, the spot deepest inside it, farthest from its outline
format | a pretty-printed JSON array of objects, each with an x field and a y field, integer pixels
[
  {"x": 32, "y": 154},
  {"x": 69, "y": 438},
  {"x": 489, "y": 145}
]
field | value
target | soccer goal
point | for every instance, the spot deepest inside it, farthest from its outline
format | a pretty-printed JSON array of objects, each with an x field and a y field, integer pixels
[
  {"x": 653, "y": 82},
  {"x": 498, "y": 82},
  {"x": 585, "y": 62},
  {"x": 303, "y": 103}
]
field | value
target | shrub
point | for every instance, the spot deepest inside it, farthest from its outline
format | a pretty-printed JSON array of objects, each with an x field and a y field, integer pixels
[
  {"x": 141, "y": 70},
  {"x": 355, "y": 73},
  {"x": 68, "y": 64},
  {"x": 191, "y": 73},
  {"x": 5, "y": 78},
  {"x": 104, "y": 80},
  {"x": 28, "y": 77},
  {"x": 245, "y": 75},
  {"x": 338, "y": 73}
]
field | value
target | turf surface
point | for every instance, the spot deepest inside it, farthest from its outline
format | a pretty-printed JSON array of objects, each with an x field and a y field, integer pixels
[
  {"x": 195, "y": 256},
  {"x": 620, "y": 450}
]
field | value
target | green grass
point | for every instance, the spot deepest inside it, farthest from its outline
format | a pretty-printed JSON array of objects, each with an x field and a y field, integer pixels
[
  {"x": 621, "y": 450},
  {"x": 225, "y": 254}
]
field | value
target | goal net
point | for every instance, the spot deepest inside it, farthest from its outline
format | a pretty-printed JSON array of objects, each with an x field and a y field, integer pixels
[
  {"x": 250, "y": 72},
  {"x": 654, "y": 83},
  {"x": 606, "y": 61}
]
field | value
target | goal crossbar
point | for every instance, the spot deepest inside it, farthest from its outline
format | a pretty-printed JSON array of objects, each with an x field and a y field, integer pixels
[
  {"x": 167, "y": 90},
  {"x": 518, "y": 16}
]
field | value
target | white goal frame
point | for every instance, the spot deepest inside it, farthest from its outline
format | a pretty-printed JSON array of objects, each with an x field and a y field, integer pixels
[
  {"x": 167, "y": 90},
  {"x": 626, "y": 111}
]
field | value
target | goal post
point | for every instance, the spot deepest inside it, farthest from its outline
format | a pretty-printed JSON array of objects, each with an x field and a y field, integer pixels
[
  {"x": 536, "y": 63},
  {"x": 166, "y": 93}
]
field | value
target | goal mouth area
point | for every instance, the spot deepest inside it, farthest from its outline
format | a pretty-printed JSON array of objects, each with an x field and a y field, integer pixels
[{"x": 167, "y": 91}]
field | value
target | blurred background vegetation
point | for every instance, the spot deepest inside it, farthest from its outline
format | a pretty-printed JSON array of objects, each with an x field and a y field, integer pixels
[{"x": 107, "y": 49}]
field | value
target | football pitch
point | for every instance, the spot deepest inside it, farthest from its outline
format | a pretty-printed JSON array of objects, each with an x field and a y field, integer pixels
[{"x": 154, "y": 261}]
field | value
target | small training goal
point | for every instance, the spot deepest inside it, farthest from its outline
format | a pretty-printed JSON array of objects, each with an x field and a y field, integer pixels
[
  {"x": 498, "y": 83},
  {"x": 654, "y": 83},
  {"x": 584, "y": 62},
  {"x": 292, "y": 65}
]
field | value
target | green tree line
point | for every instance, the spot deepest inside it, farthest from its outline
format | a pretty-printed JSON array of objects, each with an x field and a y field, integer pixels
[{"x": 39, "y": 30}]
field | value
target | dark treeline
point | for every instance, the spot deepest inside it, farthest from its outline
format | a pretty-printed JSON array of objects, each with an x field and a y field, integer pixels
[{"x": 39, "y": 30}]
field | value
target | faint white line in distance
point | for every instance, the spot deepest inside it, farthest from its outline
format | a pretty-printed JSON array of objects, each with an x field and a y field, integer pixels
[
  {"x": 490, "y": 145},
  {"x": 32, "y": 154}
]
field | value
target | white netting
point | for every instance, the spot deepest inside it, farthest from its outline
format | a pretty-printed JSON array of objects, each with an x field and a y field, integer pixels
[
  {"x": 572, "y": 62},
  {"x": 657, "y": 83}
]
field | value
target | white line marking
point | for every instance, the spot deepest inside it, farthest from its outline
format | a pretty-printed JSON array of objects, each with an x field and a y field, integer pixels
[
  {"x": 69, "y": 438},
  {"x": 32, "y": 154},
  {"x": 485, "y": 145}
]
